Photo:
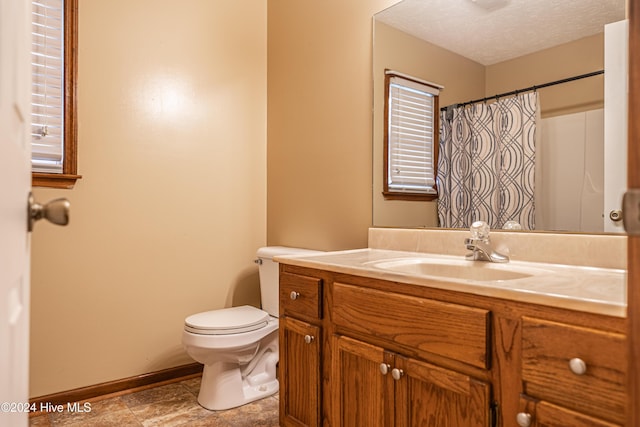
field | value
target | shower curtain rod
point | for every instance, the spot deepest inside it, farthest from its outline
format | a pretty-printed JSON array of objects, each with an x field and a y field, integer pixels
[{"x": 534, "y": 88}]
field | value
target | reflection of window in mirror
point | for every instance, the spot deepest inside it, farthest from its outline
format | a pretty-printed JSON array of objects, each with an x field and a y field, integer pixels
[
  {"x": 410, "y": 138},
  {"x": 54, "y": 66}
]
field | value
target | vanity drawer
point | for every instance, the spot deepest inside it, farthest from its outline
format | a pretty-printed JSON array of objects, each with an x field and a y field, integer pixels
[
  {"x": 450, "y": 330},
  {"x": 551, "y": 352},
  {"x": 300, "y": 295}
]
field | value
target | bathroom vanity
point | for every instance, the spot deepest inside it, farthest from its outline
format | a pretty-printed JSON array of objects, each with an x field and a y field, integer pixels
[{"x": 371, "y": 337}]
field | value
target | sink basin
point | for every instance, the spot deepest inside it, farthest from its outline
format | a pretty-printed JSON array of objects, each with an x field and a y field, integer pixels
[{"x": 458, "y": 269}]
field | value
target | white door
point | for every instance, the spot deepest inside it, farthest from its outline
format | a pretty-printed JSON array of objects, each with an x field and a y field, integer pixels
[
  {"x": 15, "y": 184},
  {"x": 616, "y": 92}
]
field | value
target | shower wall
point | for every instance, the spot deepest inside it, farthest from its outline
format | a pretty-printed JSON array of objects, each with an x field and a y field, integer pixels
[{"x": 570, "y": 172}]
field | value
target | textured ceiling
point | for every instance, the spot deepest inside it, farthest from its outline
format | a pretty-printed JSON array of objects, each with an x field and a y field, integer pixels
[{"x": 492, "y": 31}]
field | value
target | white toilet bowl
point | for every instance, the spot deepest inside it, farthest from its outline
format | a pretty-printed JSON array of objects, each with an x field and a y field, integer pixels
[{"x": 238, "y": 347}]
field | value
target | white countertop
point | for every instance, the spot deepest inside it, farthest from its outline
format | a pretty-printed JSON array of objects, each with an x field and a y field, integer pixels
[{"x": 588, "y": 289}]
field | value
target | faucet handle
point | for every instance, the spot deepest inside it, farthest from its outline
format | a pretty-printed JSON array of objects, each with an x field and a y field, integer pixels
[
  {"x": 479, "y": 230},
  {"x": 512, "y": 225}
]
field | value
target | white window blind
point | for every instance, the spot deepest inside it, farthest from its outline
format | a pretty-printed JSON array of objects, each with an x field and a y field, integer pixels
[
  {"x": 47, "y": 100},
  {"x": 411, "y": 122}
]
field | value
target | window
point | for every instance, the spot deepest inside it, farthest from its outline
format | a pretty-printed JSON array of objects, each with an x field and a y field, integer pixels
[
  {"x": 410, "y": 138},
  {"x": 53, "y": 101}
]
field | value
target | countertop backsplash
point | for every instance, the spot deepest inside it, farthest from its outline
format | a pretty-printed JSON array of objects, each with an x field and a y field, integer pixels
[{"x": 593, "y": 250}]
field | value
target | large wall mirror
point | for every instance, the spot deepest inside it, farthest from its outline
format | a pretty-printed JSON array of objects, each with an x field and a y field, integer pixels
[{"x": 477, "y": 49}]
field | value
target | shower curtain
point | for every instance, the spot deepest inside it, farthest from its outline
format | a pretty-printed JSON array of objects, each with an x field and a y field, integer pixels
[{"x": 486, "y": 163}]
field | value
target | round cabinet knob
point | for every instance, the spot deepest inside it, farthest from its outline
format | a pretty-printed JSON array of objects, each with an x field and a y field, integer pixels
[
  {"x": 384, "y": 368},
  {"x": 577, "y": 366},
  {"x": 523, "y": 419},
  {"x": 309, "y": 338},
  {"x": 397, "y": 373},
  {"x": 294, "y": 295}
]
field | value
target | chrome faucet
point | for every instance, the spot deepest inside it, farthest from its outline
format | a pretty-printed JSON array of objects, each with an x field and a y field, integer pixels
[{"x": 480, "y": 245}]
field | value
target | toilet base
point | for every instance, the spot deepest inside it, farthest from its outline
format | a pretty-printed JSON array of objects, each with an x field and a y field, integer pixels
[
  {"x": 250, "y": 394},
  {"x": 223, "y": 387}
]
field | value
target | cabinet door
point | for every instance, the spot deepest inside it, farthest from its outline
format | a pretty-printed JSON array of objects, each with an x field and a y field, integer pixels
[
  {"x": 363, "y": 394},
  {"x": 543, "y": 414},
  {"x": 300, "y": 373},
  {"x": 431, "y": 396}
]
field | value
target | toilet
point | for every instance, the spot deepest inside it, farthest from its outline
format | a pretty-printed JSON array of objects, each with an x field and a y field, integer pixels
[{"x": 238, "y": 346}]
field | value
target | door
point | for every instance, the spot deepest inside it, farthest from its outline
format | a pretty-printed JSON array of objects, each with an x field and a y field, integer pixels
[
  {"x": 300, "y": 388},
  {"x": 365, "y": 394},
  {"x": 616, "y": 64},
  {"x": 15, "y": 183},
  {"x": 431, "y": 396}
]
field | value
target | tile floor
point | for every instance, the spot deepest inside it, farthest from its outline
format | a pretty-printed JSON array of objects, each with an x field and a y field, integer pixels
[{"x": 166, "y": 405}]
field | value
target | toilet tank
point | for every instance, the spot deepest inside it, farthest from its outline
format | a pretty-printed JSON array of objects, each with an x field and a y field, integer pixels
[{"x": 269, "y": 274}]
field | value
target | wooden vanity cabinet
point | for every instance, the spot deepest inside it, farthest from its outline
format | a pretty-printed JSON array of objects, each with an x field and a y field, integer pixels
[
  {"x": 300, "y": 350},
  {"x": 360, "y": 351}
]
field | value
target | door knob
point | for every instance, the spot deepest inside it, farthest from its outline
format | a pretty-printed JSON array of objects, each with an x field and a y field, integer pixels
[
  {"x": 615, "y": 215},
  {"x": 56, "y": 211}
]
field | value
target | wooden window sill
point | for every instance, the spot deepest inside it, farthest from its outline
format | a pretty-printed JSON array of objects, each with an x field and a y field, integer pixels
[
  {"x": 54, "y": 180},
  {"x": 388, "y": 195}
]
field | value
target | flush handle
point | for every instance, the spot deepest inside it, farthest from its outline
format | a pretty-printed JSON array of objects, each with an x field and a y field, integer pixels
[{"x": 56, "y": 211}]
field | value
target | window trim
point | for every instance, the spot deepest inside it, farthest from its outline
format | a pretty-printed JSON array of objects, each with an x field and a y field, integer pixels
[
  {"x": 408, "y": 196},
  {"x": 69, "y": 176}
]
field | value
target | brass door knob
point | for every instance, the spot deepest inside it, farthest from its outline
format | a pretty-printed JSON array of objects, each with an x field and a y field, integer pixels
[{"x": 56, "y": 211}]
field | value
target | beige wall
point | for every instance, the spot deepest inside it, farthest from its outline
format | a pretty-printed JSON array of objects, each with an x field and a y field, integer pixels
[
  {"x": 570, "y": 59},
  {"x": 172, "y": 204},
  {"x": 319, "y": 130}
]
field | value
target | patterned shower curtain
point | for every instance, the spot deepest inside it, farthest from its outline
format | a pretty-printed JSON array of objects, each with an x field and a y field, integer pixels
[{"x": 486, "y": 163}]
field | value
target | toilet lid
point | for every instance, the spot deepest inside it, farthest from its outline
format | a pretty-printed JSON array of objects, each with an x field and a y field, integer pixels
[{"x": 226, "y": 321}]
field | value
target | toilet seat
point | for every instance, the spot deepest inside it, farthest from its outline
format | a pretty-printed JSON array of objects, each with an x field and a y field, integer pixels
[{"x": 227, "y": 321}]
